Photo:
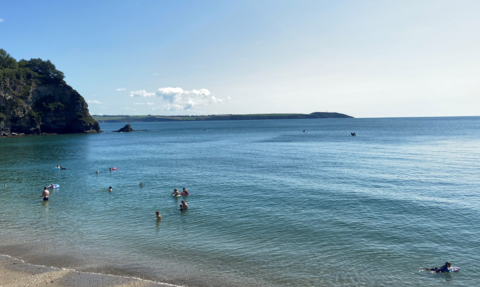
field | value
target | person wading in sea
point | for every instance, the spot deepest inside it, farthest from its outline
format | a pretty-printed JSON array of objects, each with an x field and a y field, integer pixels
[
  {"x": 45, "y": 194},
  {"x": 184, "y": 205}
]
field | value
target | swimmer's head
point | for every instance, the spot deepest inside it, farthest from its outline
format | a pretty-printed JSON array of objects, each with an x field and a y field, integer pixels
[
  {"x": 448, "y": 264},
  {"x": 157, "y": 212},
  {"x": 45, "y": 188}
]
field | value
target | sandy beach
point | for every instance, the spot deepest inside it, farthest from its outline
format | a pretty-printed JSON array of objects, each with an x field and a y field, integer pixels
[{"x": 16, "y": 273}]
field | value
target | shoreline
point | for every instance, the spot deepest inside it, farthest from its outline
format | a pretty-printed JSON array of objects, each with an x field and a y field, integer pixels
[{"x": 16, "y": 272}]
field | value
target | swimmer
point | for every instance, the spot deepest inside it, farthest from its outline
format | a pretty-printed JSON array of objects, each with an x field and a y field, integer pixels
[
  {"x": 51, "y": 186},
  {"x": 184, "y": 205},
  {"x": 141, "y": 184},
  {"x": 159, "y": 217},
  {"x": 97, "y": 172},
  {"x": 175, "y": 192},
  {"x": 110, "y": 189},
  {"x": 185, "y": 192},
  {"x": 446, "y": 268},
  {"x": 110, "y": 169},
  {"x": 45, "y": 194}
]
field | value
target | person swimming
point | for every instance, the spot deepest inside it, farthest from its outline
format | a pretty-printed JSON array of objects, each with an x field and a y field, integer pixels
[
  {"x": 159, "y": 217},
  {"x": 110, "y": 189},
  {"x": 45, "y": 194},
  {"x": 446, "y": 268},
  {"x": 185, "y": 192},
  {"x": 184, "y": 205},
  {"x": 175, "y": 192},
  {"x": 97, "y": 172},
  {"x": 51, "y": 186},
  {"x": 141, "y": 184}
]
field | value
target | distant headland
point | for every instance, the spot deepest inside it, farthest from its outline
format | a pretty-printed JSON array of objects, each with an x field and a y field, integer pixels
[{"x": 228, "y": 117}]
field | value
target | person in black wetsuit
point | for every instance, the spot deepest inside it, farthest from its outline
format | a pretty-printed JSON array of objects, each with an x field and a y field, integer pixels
[{"x": 446, "y": 268}]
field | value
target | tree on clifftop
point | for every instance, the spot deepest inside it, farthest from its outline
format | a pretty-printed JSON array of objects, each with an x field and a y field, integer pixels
[
  {"x": 45, "y": 68},
  {"x": 7, "y": 62}
]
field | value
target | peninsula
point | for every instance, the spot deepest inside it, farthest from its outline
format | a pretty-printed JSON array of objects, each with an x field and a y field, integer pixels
[
  {"x": 35, "y": 99},
  {"x": 229, "y": 117}
]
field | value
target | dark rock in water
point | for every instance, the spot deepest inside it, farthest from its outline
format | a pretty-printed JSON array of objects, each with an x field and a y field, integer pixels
[{"x": 127, "y": 128}]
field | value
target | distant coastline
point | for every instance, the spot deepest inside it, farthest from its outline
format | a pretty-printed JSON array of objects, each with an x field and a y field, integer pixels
[{"x": 229, "y": 117}]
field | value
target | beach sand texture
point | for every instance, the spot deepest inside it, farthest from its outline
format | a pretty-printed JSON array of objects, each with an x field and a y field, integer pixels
[{"x": 16, "y": 273}]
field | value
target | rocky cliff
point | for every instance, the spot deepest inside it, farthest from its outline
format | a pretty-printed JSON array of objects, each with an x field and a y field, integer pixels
[{"x": 32, "y": 102}]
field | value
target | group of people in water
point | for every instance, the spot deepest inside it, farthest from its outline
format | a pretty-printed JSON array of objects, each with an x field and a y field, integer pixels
[
  {"x": 446, "y": 268},
  {"x": 175, "y": 193}
]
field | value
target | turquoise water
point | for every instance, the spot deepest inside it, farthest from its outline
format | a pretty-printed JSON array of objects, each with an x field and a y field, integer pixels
[{"x": 269, "y": 205}]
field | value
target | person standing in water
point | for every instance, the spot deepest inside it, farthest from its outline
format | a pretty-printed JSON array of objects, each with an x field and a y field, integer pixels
[
  {"x": 45, "y": 194},
  {"x": 185, "y": 192},
  {"x": 184, "y": 205},
  {"x": 159, "y": 217},
  {"x": 110, "y": 189}
]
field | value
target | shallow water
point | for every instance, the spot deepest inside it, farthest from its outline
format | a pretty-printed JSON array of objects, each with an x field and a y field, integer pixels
[{"x": 269, "y": 205}]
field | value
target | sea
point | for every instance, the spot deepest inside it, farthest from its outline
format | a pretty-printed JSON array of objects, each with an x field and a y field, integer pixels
[{"x": 272, "y": 202}]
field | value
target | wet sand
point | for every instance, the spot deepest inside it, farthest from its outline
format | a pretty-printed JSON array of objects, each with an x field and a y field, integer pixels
[{"x": 15, "y": 272}]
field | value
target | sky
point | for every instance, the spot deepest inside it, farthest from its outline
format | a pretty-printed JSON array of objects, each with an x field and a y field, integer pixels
[{"x": 393, "y": 58}]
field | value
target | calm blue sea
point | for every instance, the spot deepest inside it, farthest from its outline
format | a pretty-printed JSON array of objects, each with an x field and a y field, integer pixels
[{"x": 269, "y": 204}]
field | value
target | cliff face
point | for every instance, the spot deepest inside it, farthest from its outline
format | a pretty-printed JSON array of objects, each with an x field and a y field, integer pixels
[{"x": 31, "y": 105}]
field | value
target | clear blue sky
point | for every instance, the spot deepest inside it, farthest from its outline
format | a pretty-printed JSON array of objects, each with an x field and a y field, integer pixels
[{"x": 362, "y": 58}]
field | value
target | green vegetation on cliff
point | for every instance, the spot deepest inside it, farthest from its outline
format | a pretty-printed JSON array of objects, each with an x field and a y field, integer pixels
[{"x": 34, "y": 99}]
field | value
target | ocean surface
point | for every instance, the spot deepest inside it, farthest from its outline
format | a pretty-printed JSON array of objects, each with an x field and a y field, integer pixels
[{"x": 270, "y": 205}]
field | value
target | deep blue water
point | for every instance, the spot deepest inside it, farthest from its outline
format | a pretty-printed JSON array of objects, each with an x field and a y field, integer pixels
[{"x": 269, "y": 204}]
